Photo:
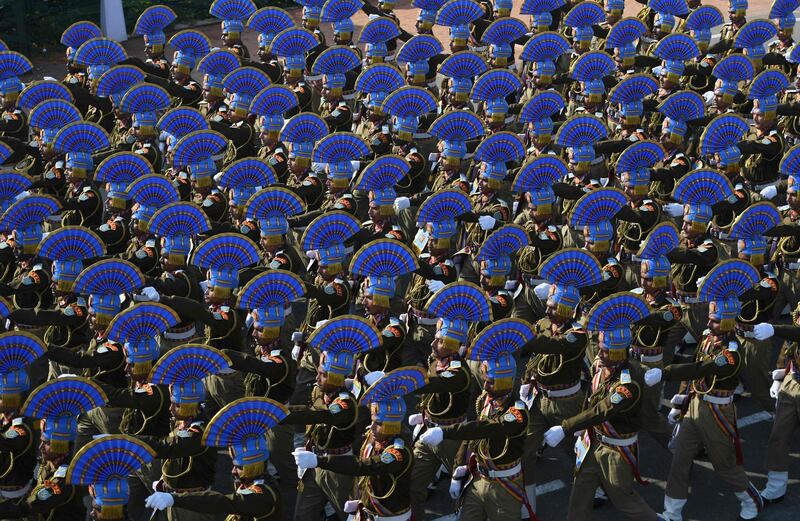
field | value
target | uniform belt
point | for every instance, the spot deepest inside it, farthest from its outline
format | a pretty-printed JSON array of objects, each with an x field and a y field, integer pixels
[
  {"x": 445, "y": 422},
  {"x": 687, "y": 297},
  {"x": 561, "y": 393},
  {"x": 347, "y": 450},
  {"x": 192, "y": 489},
  {"x": 504, "y": 473},
  {"x": 619, "y": 442},
  {"x": 26, "y": 327},
  {"x": 399, "y": 517},
  {"x": 648, "y": 355},
  {"x": 759, "y": 187},
  {"x": 180, "y": 334},
  {"x": 718, "y": 400},
  {"x": 423, "y": 318},
  {"x": 15, "y": 492}
]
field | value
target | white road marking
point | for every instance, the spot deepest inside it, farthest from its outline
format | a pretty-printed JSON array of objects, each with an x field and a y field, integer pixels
[
  {"x": 550, "y": 486},
  {"x": 753, "y": 418}
]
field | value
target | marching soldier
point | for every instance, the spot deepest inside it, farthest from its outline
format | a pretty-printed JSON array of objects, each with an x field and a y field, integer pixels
[
  {"x": 233, "y": 14},
  {"x": 151, "y": 24}
]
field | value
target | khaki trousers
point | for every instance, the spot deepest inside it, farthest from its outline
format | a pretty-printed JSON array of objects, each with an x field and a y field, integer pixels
[
  {"x": 427, "y": 461},
  {"x": 756, "y": 372},
  {"x": 486, "y": 500},
  {"x": 317, "y": 487},
  {"x": 787, "y": 419},
  {"x": 653, "y": 421}
]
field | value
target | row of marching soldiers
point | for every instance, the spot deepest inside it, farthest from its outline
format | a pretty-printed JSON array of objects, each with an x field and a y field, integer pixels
[{"x": 448, "y": 262}]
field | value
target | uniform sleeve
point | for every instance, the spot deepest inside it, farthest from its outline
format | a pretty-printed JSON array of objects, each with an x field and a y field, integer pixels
[
  {"x": 276, "y": 371},
  {"x": 80, "y": 360},
  {"x": 458, "y": 382},
  {"x": 259, "y": 503},
  {"x": 723, "y": 365},
  {"x": 175, "y": 446},
  {"x": 45, "y": 317},
  {"x": 149, "y": 402},
  {"x": 188, "y": 309},
  {"x": 623, "y": 398},
  {"x": 352, "y": 466},
  {"x": 335, "y": 299},
  {"x": 343, "y": 415},
  {"x": 788, "y": 332},
  {"x": 543, "y": 344},
  {"x": 693, "y": 256},
  {"x": 477, "y": 429},
  {"x": 16, "y": 441},
  {"x": 769, "y": 146}
]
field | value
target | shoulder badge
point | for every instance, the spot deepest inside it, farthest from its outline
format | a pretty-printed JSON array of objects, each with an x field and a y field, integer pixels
[{"x": 625, "y": 376}]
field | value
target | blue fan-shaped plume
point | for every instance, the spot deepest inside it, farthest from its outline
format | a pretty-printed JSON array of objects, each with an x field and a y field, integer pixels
[
  {"x": 304, "y": 127},
  {"x": 768, "y": 83},
  {"x": 81, "y": 137},
  {"x": 503, "y": 242},
  {"x": 723, "y": 132},
  {"x": 494, "y": 84},
  {"x": 790, "y": 164},
  {"x": 3, "y": 46},
  {"x": 625, "y": 32},
  {"x": 293, "y": 41},
  {"x": 191, "y": 42},
  {"x": 380, "y": 77},
  {"x": 702, "y": 187},
  {"x": 633, "y": 88},
  {"x": 704, "y": 17},
  {"x": 581, "y": 130},
  {"x": 428, "y": 5},
  {"x": 463, "y": 64},
  {"x": 728, "y": 280},
  {"x": 144, "y": 320},
  {"x": 533, "y": 7},
  {"x": 673, "y": 7},
  {"x": 543, "y": 105},
  {"x": 248, "y": 171},
  {"x": 179, "y": 218},
  {"x": 460, "y": 301},
  {"x": 383, "y": 258},
  {"x": 273, "y": 288},
  {"x": 617, "y": 311},
  {"x": 145, "y": 97},
  {"x": 188, "y": 362},
  {"x": 242, "y": 420},
  {"x": 232, "y": 9},
  {"x": 458, "y": 12},
  {"x": 661, "y": 240},
  {"x": 64, "y": 396},
  {"x": 118, "y": 79},
  {"x": 28, "y": 211},
  {"x": 339, "y": 147},
  {"x": 274, "y": 100},
  {"x": 585, "y": 14},
  {"x": 755, "y": 220},
  {"x": 734, "y": 68},
  {"x": 270, "y": 20},
  {"x": 109, "y": 458},
  {"x": 54, "y": 114},
  {"x": 329, "y": 229},
  {"x": 782, "y": 8},
  {"x": 541, "y": 171},
  {"x": 5, "y": 307},
  {"x": 19, "y": 349},
  {"x": 598, "y": 206},
  {"x": 246, "y": 80},
  {"x": 153, "y": 191},
  {"x": 197, "y": 146},
  {"x": 274, "y": 201},
  {"x": 379, "y": 30},
  {"x": 457, "y": 125},
  {"x": 109, "y": 277},
  {"x": 226, "y": 251},
  {"x": 544, "y": 47},
  {"x": 685, "y": 105},
  {"x": 100, "y": 51},
  {"x": 345, "y": 333},
  {"x": 5, "y": 152},
  {"x": 218, "y": 63},
  {"x": 71, "y": 243},
  {"x": 154, "y": 19},
  {"x": 505, "y": 336},
  {"x": 593, "y": 65},
  {"x": 11, "y": 185},
  {"x": 181, "y": 121},
  {"x": 504, "y": 31},
  {"x": 421, "y": 47},
  {"x": 754, "y": 33},
  {"x": 13, "y": 64},
  {"x": 382, "y": 173},
  {"x": 122, "y": 167},
  {"x": 76, "y": 34},
  {"x": 640, "y": 155},
  {"x": 336, "y": 10},
  {"x": 409, "y": 101},
  {"x": 500, "y": 147},
  {"x": 443, "y": 205},
  {"x": 39, "y": 91},
  {"x": 676, "y": 47},
  {"x": 394, "y": 385},
  {"x": 336, "y": 60}
]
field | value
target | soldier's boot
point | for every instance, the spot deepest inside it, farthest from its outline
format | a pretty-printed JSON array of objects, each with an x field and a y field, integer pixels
[
  {"x": 530, "y": 493},
  {"x": 673, "y": 508},
  {"x": 750, "y": 503},
  {"x": 775, "y": 489}
]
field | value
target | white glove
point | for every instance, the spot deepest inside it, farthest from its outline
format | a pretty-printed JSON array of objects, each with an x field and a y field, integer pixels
[
  {"x": 674, "y": 209},
  {"x": 159, "y": 501},
  {"x": 779, "y": 374},
  {"x": 415, "y": 419},
  {"x": 374, "y": 376},
  {"x": 305, "y": 459},
  {"x": 769, "y": 192},
  {"x": 297, "y": 337},
  {"x": 763, "y": 331},
  {"x": 434, "y": 285},
  {"x": 700, "y": 281},
  {"x": 524, "y": 390},
  {"x": 148, "y": 294},
  {"x": 652, "y": 377},
  {"x": 295, "y": 352},
  {"x": 401, "y": 203},
  {"x": 351, "y": 506},
  {"x": 554, "y": 435},
  {"x": 678, "y": 400},
  {"x": 455, "y": 488},
  {"x": 311, "y": 254},
  {"x": 542, "y": 290},
  {"x": 486, "y": 222},
  {"x": 432, "y": 437},
  {"x": 775, "y": 388},
  {"x": 511, "y": 285},
  {"x": 673, "y": 416},
  {"x": 460, "y": 471}
]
